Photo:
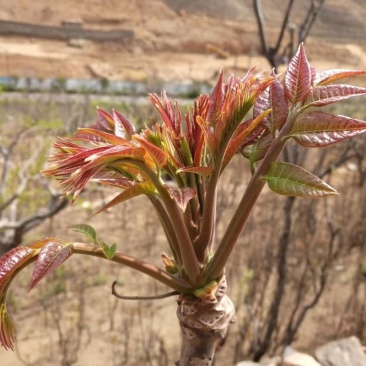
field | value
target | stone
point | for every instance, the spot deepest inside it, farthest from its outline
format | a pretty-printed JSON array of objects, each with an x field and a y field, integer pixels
[
  {"x": 275, "y": 361},
  {"x": 343, "y": 352},
  {"x": 78, "y": 42},
  {"x": 291, "y": 357},
  {"x": 268, "y": 362}
]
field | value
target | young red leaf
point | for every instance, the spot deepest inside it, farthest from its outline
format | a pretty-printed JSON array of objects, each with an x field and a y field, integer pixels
[
  {"x": 200, "y": 170},
  {"x": 207, "y": 132},
  {"x": 123, "y": 127},
  {"x": 51, "y": 256},
  {"x": 158, "y": 155},
  {"x": 272, "y": 98},
  {"x": 278, "y": 104},
  {"x": 200, "y": 147},
  {"x": 92, "y": 134},
  {"x": 131, "y": 192},
  {"x": 262, "y": 103},
  {"x": 105, "y": 120},
  {"x": 319, "y": 129},
  {"x": 112, "y": 178},
  {"x": 11, "y": 262},
  {"x": 181, "y": 196},
  {"x": 323, "y": 95},
  {"x": 116, "y": 153},
  {"x": 170, "y": 116},
  {"x": 216, "y": 100},
  {"x": 314, "y": 73},
  {"x": 238, "y": 139},
  {"x": 298, "y": 76},
  {"x": 68, "y": 163},
  {"x": 291, "y": 180},
  {"x": 328, "y": 76}
]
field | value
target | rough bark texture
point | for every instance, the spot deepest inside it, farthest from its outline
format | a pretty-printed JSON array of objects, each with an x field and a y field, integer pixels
[{"x": 203, "y": 324}]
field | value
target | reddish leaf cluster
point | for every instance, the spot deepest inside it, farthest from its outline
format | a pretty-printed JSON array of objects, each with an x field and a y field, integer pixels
[
  {"x": 51, "y": 253},
  {"x": 248, "y": 115}
]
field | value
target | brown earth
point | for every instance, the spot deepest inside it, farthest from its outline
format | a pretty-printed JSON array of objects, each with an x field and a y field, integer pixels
[{"x": 173, "y": 40}]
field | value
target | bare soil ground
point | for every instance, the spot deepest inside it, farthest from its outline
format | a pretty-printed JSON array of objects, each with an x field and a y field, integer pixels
[{"x": 173, "y": 40}]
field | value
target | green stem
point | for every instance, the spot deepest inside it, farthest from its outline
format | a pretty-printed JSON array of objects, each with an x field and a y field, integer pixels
[
  {"x": 207, "y": 226},
  {"x": 207, "y": 229},
  {"x": 137, "y": 264},
  {"x": 216, "y": 267},
  {"x": 189, "y": 258},
  {"x": 168, "y": 228}
]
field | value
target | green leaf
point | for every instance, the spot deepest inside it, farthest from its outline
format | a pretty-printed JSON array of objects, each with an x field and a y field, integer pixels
[
  {"x": 109, "y": 251},
  {"x": 291, "y": 180},
  {"x": 6, "y": 327},
  {"x": 257, "y": 150},
  {"x": 87, "y": 230}
]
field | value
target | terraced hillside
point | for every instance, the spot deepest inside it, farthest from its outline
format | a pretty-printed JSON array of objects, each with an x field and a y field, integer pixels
[{"x": 174, "y": 40}]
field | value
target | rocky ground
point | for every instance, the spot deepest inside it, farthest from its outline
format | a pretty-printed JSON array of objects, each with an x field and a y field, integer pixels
[{"x": 344, "y": 352}]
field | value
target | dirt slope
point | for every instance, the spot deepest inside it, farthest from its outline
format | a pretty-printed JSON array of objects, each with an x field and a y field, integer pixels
[{"x": 173, "y": 39}]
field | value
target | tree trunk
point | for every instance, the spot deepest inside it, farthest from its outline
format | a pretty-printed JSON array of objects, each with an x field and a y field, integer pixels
[{"x": 203, "y": 324}]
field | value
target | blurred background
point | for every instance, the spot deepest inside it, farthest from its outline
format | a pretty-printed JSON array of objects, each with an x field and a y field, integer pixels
[{"x": 298, "y": 276}]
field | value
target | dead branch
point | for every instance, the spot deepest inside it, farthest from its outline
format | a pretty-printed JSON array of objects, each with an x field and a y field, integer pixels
[{"x": 272, "y": 54}]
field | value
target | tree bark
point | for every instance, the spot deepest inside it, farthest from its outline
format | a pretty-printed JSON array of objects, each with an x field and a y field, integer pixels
[{"x": 203, "y": 324}]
